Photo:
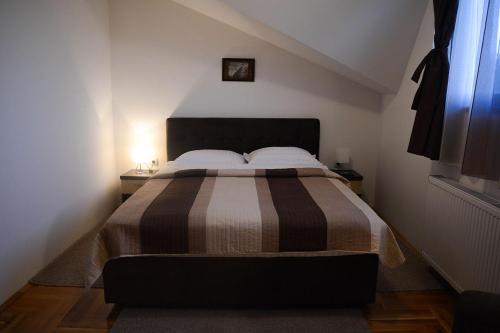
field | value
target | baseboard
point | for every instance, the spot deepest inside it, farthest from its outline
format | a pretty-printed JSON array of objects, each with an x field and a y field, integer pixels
[
  {"x": 15, "y": 296},
  {"x": 400, "y": 237},
  {"x": 445, "y": 276}
]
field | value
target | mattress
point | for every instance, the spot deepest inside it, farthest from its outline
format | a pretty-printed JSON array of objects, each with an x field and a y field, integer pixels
[{"x": 244, "y": 211}]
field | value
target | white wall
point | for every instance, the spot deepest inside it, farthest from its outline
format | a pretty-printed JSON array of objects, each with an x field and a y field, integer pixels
[
  {"x": 59, "y": 135},
  {"x": 223, "y": 12},
  {"x": 402, "y": 177},
  {"x": 56, "y": 133},
  {"x": 166, "y": 61},
  {"x": 372, "y": 37}
]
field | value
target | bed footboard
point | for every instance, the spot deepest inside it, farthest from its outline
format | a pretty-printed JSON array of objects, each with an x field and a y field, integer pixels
[{"x": 281, "y": 281}]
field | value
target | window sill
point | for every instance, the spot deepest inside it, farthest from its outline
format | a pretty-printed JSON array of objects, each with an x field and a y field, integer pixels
[{"x": 468, "y": 193}]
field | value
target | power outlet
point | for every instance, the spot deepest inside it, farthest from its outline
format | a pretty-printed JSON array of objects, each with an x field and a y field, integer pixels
[{"x": 155, "y": 164}]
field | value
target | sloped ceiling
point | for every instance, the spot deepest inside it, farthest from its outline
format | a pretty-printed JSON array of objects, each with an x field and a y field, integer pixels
[{"x": 367, "y": 41}]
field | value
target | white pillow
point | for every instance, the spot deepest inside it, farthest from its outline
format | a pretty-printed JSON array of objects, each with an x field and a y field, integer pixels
[
  {"x": 211, "y": 156},
  {"x": 287, "y": 155},
  {"x": 286, "y": 165}
]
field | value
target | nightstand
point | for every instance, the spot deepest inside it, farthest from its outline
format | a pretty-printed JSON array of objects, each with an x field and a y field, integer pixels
[
  {"x": 132, "y": 181},
  {"x": 355, "y": 178}
]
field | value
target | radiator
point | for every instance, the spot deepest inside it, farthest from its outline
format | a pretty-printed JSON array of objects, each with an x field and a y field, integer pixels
[{"x": 462, "y": 237}]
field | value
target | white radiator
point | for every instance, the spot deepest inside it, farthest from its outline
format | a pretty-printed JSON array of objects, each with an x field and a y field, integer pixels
[{"x": 462, "y": 237}]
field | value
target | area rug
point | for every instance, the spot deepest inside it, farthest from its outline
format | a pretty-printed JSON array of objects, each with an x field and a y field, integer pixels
[
  {"x": 69, "y": 270},
  {"x": 242, "y": 321}
]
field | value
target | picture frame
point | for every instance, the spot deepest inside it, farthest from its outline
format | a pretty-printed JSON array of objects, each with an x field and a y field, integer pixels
[{"x": 238, "y": 69}]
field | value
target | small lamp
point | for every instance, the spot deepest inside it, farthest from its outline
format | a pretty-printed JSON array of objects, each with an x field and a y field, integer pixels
[
  {"x": 343, "y": 156},
  {"x": 141, "y": 156}
]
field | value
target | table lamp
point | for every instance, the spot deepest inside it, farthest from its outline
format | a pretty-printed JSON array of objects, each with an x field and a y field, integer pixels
[
  {"x": 142, "y": 155},
  {"x": 343, "y": 157}
]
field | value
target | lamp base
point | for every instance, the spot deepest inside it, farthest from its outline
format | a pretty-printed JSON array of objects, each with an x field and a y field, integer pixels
[
  {"x": 340, "y": 166},
  {"x": 139, "y": 170}
]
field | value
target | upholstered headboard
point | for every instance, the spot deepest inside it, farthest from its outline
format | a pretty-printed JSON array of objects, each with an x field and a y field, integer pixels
[{"x": 240, "y": 134}]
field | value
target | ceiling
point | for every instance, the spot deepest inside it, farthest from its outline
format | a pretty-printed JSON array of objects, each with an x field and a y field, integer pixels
[{"x": 367, "y": 41}]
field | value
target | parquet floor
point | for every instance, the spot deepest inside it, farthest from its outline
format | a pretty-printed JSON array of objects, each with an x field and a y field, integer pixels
[{"x": 40, "y": 309}]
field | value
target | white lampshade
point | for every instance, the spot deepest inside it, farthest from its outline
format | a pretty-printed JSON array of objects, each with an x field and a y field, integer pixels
[
  {"x": 343, "y": 155},
  {"x": 142, "y": 154},
  {"x": 142, "y": 148}
]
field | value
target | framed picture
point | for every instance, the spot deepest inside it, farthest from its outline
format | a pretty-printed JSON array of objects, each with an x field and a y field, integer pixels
[{"x": 238, "y": 69}]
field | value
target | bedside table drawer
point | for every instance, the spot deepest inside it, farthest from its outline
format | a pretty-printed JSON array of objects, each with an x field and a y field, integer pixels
[
  {"x": 130, "y": 186},
  {"x": 132, "y": 181},
  {"x": 353, "y": 177},
  {"x": 357, "y": 186}
]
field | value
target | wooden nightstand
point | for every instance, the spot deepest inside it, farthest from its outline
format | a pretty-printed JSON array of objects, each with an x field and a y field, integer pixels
[
  {"x": 355, "y": 178},
  {"x": 132, "y": 181}
]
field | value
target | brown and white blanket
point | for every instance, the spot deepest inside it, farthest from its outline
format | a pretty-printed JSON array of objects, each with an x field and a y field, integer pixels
[{"x": 245, "y": 211}]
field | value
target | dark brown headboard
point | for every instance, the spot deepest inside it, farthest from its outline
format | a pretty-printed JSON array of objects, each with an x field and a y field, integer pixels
[{"x": 240, "y": 134}]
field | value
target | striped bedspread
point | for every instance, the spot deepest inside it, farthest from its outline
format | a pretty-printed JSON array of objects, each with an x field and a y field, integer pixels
[{"x": 245, "y": 211}]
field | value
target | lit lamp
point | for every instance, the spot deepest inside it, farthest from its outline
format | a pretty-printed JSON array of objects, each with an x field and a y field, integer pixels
[
  {"x": 343, "y": 157},
  {"x": 142, "y": 155}
]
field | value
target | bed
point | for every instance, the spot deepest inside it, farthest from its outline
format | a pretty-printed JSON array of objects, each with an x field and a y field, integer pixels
[{"x": 246, "y": 236}]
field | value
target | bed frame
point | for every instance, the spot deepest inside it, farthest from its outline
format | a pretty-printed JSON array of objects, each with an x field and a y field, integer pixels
[{"x": 257, "y": 281}]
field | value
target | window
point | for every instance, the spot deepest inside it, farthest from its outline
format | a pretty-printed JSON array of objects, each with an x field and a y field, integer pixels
[
  {"x": 471, "y": 137},
  {"x": 482, "y": 149}
]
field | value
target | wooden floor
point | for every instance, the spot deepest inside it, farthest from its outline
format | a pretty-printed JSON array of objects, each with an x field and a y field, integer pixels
[{"x": 75, "y": 310}]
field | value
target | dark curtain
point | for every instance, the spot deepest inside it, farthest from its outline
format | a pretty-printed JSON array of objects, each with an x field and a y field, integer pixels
[
  {"x": 482, "y": 150},
  {"x": 429, "y": 101}
]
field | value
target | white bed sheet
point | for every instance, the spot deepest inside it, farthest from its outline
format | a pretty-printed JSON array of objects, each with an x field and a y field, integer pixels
[{"x": 175, "y": 166}]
